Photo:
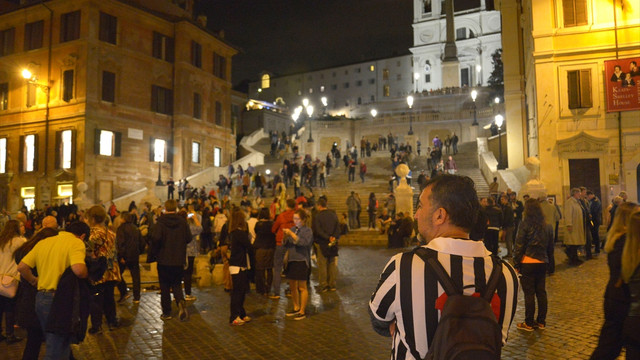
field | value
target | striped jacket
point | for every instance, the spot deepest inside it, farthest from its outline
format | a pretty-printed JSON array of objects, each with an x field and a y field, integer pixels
[{"x": 407, "y": 293}]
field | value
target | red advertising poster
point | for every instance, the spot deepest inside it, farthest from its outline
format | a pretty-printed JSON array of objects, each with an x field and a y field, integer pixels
[{"x": 622, "y": 77}]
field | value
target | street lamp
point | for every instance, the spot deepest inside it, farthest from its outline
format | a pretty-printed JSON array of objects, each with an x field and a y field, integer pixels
[
  {"x": 374, "y": 112},
  {"x": 410, "y": 103},
  {"x": 479, "y": 75},
  {"x": 324, "y": 104},
  {"x": 474, "y": 95},
  {"x": 499, "y": 120},
  {"x": 309, "y": 113},
  {"x": 416, "y": 76}
]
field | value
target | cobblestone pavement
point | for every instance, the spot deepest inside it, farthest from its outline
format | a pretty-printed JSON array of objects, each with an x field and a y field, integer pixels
[{"x": 338, "y": 324}]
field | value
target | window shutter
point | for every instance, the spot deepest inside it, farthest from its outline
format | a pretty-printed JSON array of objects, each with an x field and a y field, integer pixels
[
  {"x": 169, "y": 158},
  {"x": 118, "y": 143},
  {"x": 585, "y": 89},
  {"x": 581, "y": 12},
  {"x": 568, "y": 12},
  {"x": 156, "y": 52},
  {"x": 36, "y": 157},
  {"x": 169, "y": 49},
  {"x": 58, "y": 150},
  {"x": 573, "y": 89},
  {"x": 73, "y": 148},
  {"x": 67, "y": 83},
  {"x": 22, "y": 154},
  {"x": 96, "y": 142},
  {"x": 151, "y": 149},
  {"x": 169, "y": 102}
]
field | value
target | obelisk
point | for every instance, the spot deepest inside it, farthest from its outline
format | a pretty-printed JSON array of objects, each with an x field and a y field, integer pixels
[{"x": 450, "y": 63}]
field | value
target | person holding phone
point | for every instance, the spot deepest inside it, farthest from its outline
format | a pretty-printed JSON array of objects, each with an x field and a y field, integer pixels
[{"x": 298, "y": 240}]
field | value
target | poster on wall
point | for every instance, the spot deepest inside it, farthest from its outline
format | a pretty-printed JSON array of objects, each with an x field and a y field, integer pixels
[{"x": 622, "y": 77}]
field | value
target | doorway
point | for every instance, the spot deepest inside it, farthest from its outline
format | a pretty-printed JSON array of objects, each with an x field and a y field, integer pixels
[{"x": 585, "y": 172}]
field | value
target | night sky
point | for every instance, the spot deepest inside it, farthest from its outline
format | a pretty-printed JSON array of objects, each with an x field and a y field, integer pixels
[{"x": 292, "y": 36}]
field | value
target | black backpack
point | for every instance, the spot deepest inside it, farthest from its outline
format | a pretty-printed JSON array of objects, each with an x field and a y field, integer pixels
[{"x": 468, "y": 328}]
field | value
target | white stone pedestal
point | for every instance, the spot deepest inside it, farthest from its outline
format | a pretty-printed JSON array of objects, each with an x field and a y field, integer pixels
[{"x": 404, "y": 193}]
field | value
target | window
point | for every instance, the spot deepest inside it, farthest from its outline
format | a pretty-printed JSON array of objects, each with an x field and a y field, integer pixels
[
  {"x": 310, "y": 90},
  {"x": 399, "y": 77},
  {"x": 373, "y": 98},
  {"x": 195, "y": 152},
  {"x": 65, "y": 149},
  {"x": 29, "y": 153},
  {"x": 3, "y": 155},
  {"x": 427, "y": 78},
  {"x": 426, "y": 9},
  {"x": 358, "y": 70},
  {"x": 157, "y": 150},
  {"x": 579, "y": 88},
  {"x": 575, "y": 12},
  {"x": 108, "y": 28},
  {"x": 67, "y": 85},
  {"x": 107, "y": 143},
  {"x": 217, "y": 156},
  {"x": 65, "y": 190},
  {"x": 33, "y": 35},
  {"x": 265, "y": 78},
  {"x": 346, "y": 72},
  {"x": 346, "y": 85},
  {"x": 220, "y": 69},
  {"x": 197, "y": 106},
  {"x": 322, "y": 88},
  {"x": 385, "y": 74},
  {"x": 161, "y": 100},
  {"x": 162, "y": 47},
  {"x": 372, "y": 81},
  {"x": 385, "y": 91},
  {"x": 196, "y": 54},
  {"x": 4, "y": 96},
  {"x": 31, "y": 94},
  {"x": 70, "y": 26},
  {"x": 218, "y": 116},
  {"x": 6, "y": 41},
  {"x": 464, "y": 77},
  {"x": 108, "y": 86},
  {"x": 334, "y": 87},
  {"x": 359, "y": 83},
  {"x": 359, "y": 101},
  {"x": 372, "y": 68},
  {"x": 461, "y": 33}
]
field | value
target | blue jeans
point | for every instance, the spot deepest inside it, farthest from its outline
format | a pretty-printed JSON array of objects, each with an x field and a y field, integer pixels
[{"x": 58, "y": 346}]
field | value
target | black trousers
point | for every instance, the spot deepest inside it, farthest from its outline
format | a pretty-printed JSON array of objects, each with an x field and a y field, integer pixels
[
  {"x": 7, "y": 307},
  {"x": 533, "y": 285},
  {"x": 240, "y": 288},
  {"x": 491, "y": 240},
  {"x": 35, "y": 338},
  {"x": 188, "y": 274},
  {"x": 611, "y": 340},
  {"x": 134, "y": 269},
  {"x": 595, "y": 237},
  {"x": 170, "y": 278},
  {"x": 103, "y": 302}
]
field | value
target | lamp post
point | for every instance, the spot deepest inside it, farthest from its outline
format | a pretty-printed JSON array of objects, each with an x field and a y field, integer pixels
[
  {"x": 499, "y": 120},
  {"x": 416, "y": 77},
  {"x": 324, "y": 105},
  {"x": 474, "y": 95},
  {"x": 159, "y": 182},
  {"x": 410, "y": 103},
  {"x": 374, "y": 112}
]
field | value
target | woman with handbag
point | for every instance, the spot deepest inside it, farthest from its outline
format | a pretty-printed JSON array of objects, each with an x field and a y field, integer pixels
[
  {"x": 533, "y": 249},
  {"x": 11, "y": 238},
  {"x": 102, "y": 243},
  {"x": 631, "y": 276},
  {"x": 298, "y": 241},
  {"x": 239, "y": 264}
]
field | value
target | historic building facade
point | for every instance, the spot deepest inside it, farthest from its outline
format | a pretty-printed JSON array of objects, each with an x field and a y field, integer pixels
[
  {"x": 566, "y": 49},
  {"x": 116, "y": 94},
  {"x": 477, "y": 36}
]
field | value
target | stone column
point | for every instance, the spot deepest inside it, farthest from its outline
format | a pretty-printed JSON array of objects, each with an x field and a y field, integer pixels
[
  {"x": 450, "y": 63},
  {"x": 404, "y": 193}
]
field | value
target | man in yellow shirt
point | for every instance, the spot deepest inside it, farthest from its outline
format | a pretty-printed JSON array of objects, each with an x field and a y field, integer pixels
[{"x": 51, "y": 257}]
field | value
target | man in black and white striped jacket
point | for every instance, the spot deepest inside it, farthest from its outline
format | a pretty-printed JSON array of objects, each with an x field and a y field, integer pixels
[{"x": 406, "y": 304}]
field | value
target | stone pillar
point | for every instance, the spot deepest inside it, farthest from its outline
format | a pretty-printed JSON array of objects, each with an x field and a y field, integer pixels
[
  {"x": 404, "y": 193},
  {"x": 450, "y": 64},
  {"x": 473, "y": 132}
]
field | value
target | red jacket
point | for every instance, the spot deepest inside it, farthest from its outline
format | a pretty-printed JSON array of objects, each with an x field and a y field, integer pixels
[{"x": 283, "y": 221}]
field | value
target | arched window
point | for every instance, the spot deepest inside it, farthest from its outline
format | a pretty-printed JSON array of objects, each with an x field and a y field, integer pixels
[{"x": 266, "y": 81}]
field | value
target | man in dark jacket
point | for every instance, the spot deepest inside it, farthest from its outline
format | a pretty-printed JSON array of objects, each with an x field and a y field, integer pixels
[
  {"x": 595, "y": 209},
  {"x": 326, "y": 231},
  {"x": 494, "y": 216},
  {"x": 129, "y": 244},
  {"x": 508, "y": 224},
  {"x": 169, "y": 238}
]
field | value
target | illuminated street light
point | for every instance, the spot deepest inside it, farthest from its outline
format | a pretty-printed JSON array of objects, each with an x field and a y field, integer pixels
[
  {"x": 474, "y": 95},
  {"x": 499, "y": 120},
  {"x": 305, "y": 102},
  {"x": 496, "y": 100},
  {"x": 324, "y": 101},
  {"x": 374, "y": 112},
  {"x": 410, "y": 103}
]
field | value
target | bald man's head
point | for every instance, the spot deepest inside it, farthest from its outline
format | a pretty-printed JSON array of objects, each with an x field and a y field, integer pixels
[{"x": 50, "y": 222}]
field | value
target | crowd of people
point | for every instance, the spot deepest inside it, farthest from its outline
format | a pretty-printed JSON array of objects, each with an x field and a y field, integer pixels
[{"x": 61, "y": 251}]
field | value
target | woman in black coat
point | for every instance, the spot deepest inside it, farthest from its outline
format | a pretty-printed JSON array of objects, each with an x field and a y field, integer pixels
[
  {"x": 264, "y": 245},
  {"x": 26, "y": 300},
  {"x": 241, "y": 251}
]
